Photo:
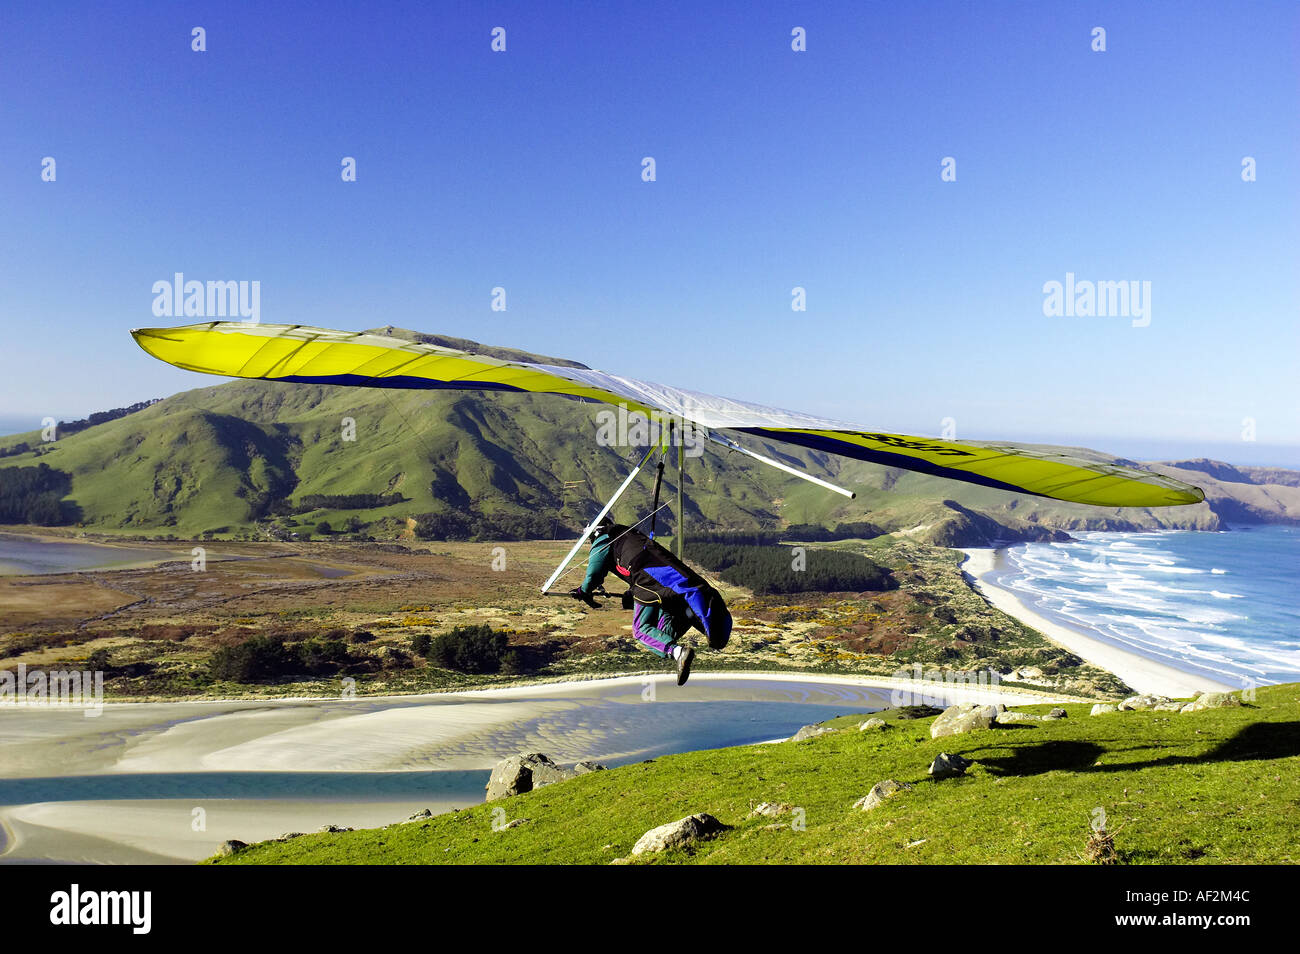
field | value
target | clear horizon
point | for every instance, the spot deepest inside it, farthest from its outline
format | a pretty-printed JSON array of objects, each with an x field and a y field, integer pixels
[{"x": 774, "y": 170}]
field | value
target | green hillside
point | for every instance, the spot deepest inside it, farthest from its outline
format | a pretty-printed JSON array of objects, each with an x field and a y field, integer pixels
[
  {"x": 1209, "y": 787},
  {"x": 231, "y": 457}
]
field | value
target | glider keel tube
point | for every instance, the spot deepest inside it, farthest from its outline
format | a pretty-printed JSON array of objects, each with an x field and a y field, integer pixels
[{"x": 732, "y": 445}]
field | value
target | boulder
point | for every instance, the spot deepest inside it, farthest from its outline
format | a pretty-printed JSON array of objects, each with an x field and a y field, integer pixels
[
  {"x": 1102, "y": 708},
  {"x": 962, "y": 718},
  {"x": 421, "y": 814},
  {"x": 880, "y": 793},
  {"x": 230, "y": 847},
  {"x": 1010, "y": 718},
  {"x": 513, "y": 824},
  {"x": 290, "y": 835},
  {"x": 771, "y": 809},
  {"x": 949, "y": 766},
  {"x": 525, "y": 772},
  {"x": 1212, "y": 700},
  {"x": 873, "y": 724},
  {"x": 332, "y": 829},
  {"x": 684, "y": 831},
  {"x": 1056, "y": 714},
  {"x": 1168, "y": 707},
  {"x": 1137, "y": 703},
  {"x": 587, "y": 765},
  {"x": 810, "y": 732}
]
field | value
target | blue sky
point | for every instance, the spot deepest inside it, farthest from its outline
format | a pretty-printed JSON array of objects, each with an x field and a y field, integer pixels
[{"x": 775, "y": 169}]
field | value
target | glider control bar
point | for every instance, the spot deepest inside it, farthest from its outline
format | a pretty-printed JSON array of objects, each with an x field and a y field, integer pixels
[
  {"x": 732, "y": 445},
  {"x": 654, "y": 448}
]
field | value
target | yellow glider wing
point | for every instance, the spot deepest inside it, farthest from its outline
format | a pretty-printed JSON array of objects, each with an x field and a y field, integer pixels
[{"x": 302, "y": 354}]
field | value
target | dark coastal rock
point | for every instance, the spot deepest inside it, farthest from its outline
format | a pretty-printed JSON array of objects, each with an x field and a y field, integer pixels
[
  {"x": 684, "y": 831},
  {"x": 421, "y": 814},
  {"x": 230, "y": 847}
]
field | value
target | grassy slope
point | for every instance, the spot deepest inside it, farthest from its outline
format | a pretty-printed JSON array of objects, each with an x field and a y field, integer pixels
[
  {"x": 1218, "y": 786},
  {"x": 191, "y": 462}
]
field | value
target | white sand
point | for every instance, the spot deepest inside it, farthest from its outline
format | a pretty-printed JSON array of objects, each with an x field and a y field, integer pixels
[{"x": 1140, "y": 672}]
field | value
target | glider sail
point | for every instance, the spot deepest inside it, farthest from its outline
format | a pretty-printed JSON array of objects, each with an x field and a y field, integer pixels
[{"x": 306, "y": 355}]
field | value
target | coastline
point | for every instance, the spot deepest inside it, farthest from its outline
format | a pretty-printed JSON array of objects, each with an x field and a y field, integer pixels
[{"x": 1140, "y": 672}]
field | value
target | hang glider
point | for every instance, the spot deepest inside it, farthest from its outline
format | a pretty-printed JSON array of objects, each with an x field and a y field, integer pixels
[{"x": 306, "y": 355}]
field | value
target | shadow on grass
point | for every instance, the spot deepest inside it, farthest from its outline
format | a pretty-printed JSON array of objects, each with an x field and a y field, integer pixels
[
  {"x": 1255, "y": 742},
  {"x": 1038, "y": 757}
]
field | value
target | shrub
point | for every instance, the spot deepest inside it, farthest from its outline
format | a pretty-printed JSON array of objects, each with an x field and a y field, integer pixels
[
  {"x": 767, "y": 569},
  {"x": 259, "y": 659},
  {"x": 470, "y": 649}
]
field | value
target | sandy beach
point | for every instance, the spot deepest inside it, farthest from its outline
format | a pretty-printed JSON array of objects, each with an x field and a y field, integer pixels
[
  {"x": 1140, "y": 672},
  {"x": 169, "y": 782}
]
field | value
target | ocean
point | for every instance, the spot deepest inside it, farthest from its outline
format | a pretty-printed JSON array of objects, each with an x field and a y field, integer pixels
[{"x": 1220, "y": 604}]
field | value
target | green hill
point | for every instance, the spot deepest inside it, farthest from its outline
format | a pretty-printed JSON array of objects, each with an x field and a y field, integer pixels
[
  {"x": 1209, "y": 787},
  {"x": 231, "y": 457}
]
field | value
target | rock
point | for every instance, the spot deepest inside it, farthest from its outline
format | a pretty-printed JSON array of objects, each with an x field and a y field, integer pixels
[
  {"x": 332, "y": 829},
  {"x": 676, "y": 834},
  {"x": 1102, "y": 708},
  {"x": 230, "y": 847},
  {"x": 587, "y": 765},
  {"x": 421, "y": 814},
  {"x": 1168, "y": 707},
  {"x": 290, "y": 835},
  {"x": 513, "y": 824},
  {"x": 1137, "y": 703},
  {"x": 1010, "y": 718},
  {"x": 523, "y": 773},
  {"x": 810, "y": 732},
  {"x": 962, "y": 718},
  {"x": 949, "y": 766},
  {"x": 873, "y": 724},
  {"x": 1056, "y": 714},
  {"x": 771, "y": 809},
  {"x": 1212, "y": 700},
  {"x": 880, "y": 792}
]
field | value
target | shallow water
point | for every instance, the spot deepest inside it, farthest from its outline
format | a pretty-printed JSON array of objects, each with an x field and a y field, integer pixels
[{"x": 22, "y": 555}]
